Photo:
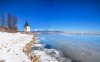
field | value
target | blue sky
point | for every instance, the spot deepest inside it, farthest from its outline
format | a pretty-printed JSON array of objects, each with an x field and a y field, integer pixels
[{"x": 64, "y": 15}]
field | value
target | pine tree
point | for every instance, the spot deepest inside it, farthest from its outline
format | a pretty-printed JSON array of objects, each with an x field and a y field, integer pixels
[
  {"x": 9, "y": 22},
  {"x": 14, "y": 24}
]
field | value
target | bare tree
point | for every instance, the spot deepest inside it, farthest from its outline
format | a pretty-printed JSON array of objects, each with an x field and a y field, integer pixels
[{"x": 3, "y": 20}]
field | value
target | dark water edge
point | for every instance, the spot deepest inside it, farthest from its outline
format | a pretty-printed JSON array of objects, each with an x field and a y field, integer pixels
[{"x": 47, "y": 45}]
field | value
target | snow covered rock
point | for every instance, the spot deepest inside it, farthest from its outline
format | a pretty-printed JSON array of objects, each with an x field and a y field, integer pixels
[{"x": 38, "y": 46}]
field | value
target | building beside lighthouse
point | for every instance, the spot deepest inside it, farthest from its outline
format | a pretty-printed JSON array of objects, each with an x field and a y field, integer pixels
[{"x": 26, "y": 27}]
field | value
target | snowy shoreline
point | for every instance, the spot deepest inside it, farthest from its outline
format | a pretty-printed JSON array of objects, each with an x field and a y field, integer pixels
[{"x": 17, "y": 47}]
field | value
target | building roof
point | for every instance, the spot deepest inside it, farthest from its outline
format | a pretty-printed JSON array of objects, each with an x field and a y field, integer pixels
[{"x": 26, "y": 24}]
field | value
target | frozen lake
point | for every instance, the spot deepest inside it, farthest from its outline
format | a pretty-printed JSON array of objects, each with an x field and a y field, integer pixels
[{"x": 83, "y": 48}]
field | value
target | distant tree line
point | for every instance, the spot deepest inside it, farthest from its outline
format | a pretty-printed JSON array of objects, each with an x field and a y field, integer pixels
[{"x": 8, "y": 24}]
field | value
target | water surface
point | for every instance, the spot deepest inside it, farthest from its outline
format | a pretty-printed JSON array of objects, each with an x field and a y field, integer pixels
[{"x": 83, "y": 48}]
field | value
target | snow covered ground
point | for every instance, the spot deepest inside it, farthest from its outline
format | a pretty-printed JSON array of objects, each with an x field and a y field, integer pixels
[
  {"x": 11, "y": 47},
  {"x": 12, "y": 44}
]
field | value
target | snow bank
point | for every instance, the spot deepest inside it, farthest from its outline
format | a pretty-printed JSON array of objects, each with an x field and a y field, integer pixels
[{"x": 11, "y": 47}]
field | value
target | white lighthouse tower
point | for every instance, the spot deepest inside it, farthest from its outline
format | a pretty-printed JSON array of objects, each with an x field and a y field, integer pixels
[{"x": 26, "y": 27}]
